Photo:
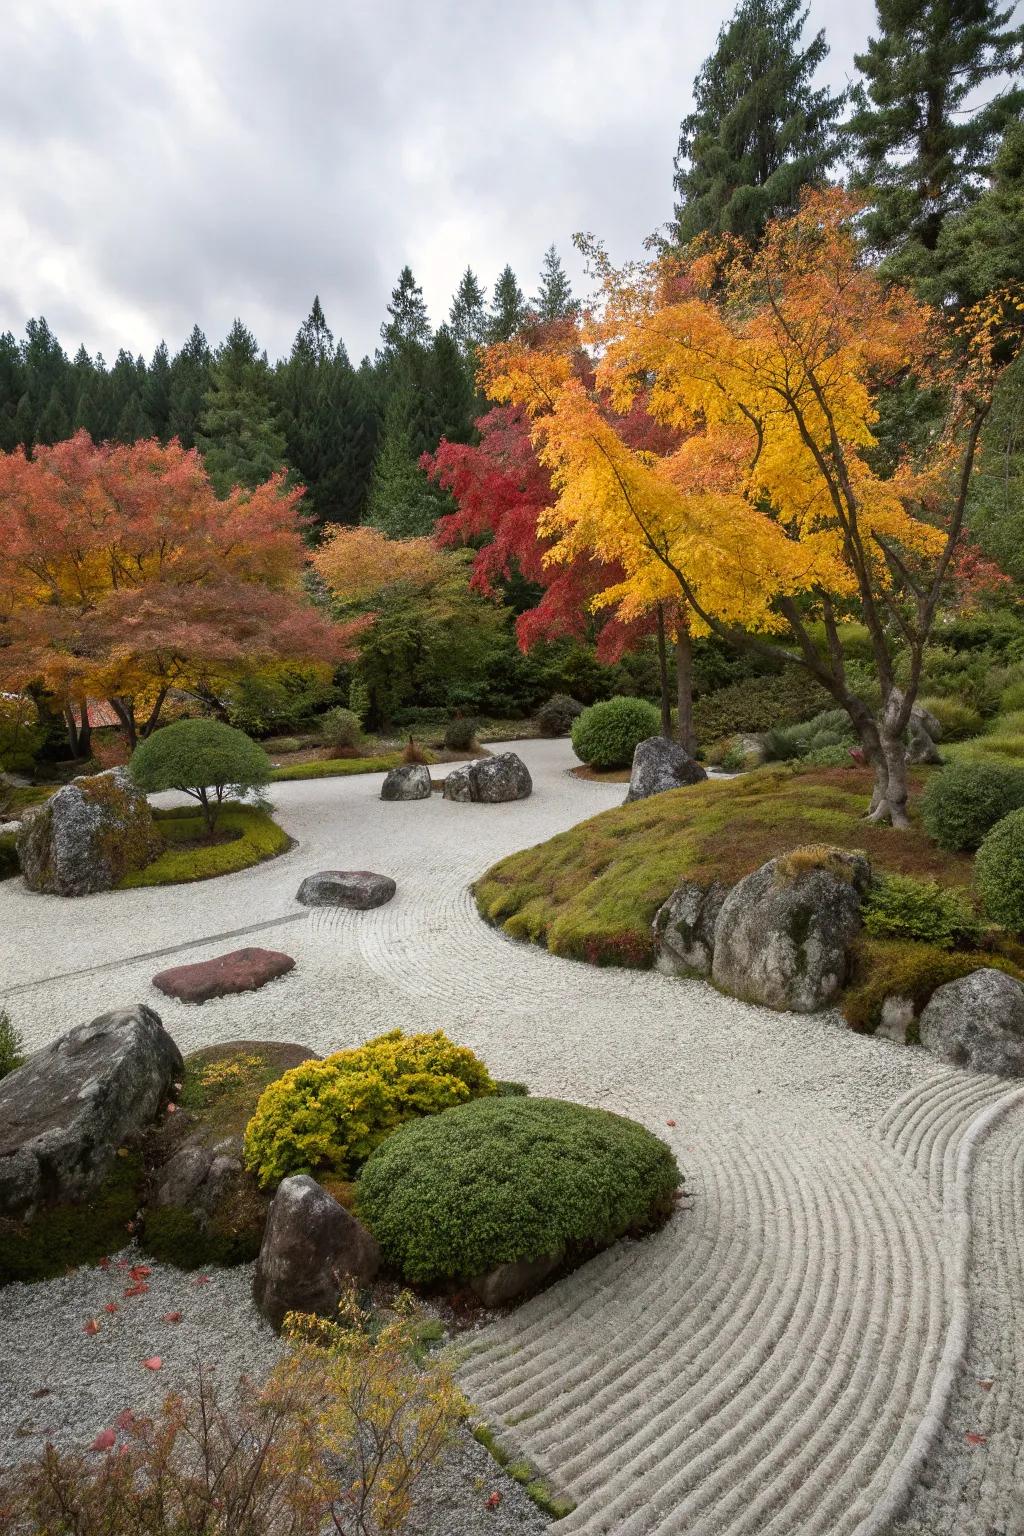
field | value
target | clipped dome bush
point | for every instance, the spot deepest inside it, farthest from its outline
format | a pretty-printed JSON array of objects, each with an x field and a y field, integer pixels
[
  {"x": 555, "y": 718},
  {"x": 506, "y": 1179},
  {"x": 606, "y": 735},
  {"x": 330, "y": 1114},
  {"x": 962, "y": 802},
  {"x": 202, "y": 758},
  {"x": 999, "y": 872}
]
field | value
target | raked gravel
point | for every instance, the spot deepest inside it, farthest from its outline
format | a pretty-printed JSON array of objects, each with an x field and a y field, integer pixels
[{"x": 793, "y": 1353}]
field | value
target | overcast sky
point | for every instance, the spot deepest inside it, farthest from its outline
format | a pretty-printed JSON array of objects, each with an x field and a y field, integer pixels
[{"x": 173, "y": 161}]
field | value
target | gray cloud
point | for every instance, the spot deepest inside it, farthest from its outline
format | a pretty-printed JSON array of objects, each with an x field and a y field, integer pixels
[{"x": 168, "y": 164}]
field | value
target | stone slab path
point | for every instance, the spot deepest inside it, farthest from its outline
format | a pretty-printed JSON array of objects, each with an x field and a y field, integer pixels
[{"x": 804, "y": 1349}]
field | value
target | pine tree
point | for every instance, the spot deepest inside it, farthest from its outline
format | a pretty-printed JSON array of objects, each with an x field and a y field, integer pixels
[
  {"x": 408, "y": 323},
  {"x": 132, "y": 423},
  {"x": 353, "y": 416},
  {"x": 402, "y": 501},
  {"x": 12, "y": 387},
  {"x": 759, "y": 131},
  {"x": 554, "y": 299},
  {"x": 54, "y": 422},
  {"x": 314, "y": 340},
  {"x": 92, "y": 402},
  {"x": 982, "y": 249},
  {"x": 126, "y": 383},
  {"x": 44, "y": 408},
  {"x": 156, "y": 393},
  {"x": 239, "y": 437},
  {"x": 508, "y": 308},
  {"x": 453, "y": 397},
  {"x": 921, "y": 153},
  {"x": 190, "y": 381},
  {"x": 467, "y": 317}
]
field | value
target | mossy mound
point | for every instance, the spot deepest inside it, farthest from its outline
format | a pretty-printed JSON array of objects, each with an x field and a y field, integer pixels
[
  {"x": 591, "y": 892},
  {"x": 885, "y": 968},
  {"x": 249, "y": 836},
  {"x": 65, "y": 1236}
]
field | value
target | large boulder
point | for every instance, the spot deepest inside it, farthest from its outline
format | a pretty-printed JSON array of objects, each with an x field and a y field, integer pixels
[
  {"x": 359, "y": 889},
  {"x": 684, "y": 928},
  {"x": 65, "y": 1112},
  {"x": 490, "y": 780},
  {"x": 88, "y": 836},
  {"x": 660, "y": 764},
  {"x": 311, "y": 1247},
  {"x": 241, "y": 970},
  {"x": 784, "y": 933},
  {"x": 977, "y": 1021},
  {"x": 409, "y": 781}
]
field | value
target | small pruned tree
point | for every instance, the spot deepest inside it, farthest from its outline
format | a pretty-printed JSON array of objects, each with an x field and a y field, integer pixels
[{"x": 204, "y": 759}]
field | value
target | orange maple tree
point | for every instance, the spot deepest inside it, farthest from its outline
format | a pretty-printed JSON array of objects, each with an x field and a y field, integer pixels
[{"x": 124, "y": 577}]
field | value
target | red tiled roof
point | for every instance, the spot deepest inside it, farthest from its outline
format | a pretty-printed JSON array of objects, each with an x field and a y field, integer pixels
[{"x": 100, "y": 713}]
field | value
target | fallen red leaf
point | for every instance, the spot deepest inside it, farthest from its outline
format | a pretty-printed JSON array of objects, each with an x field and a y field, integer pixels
[
  {"x": 172, "y": 1317},
  {"x": 139, "y": 1271},
  {"x": 125, "y": 1419},
  {"x": 670, "y": 1122},
  {"x": 91, "y": 1327},
  {"x": 104, "y": 1263},
  {"x": 138, "y": 1289},
  {"x": 104, "y": 1440},
  {"x": 201, "y": 1280},
  {"x": 973, "y": 1439},
  {"x": 986, "y": 1386},
  {"x": 171, "y": 1108},
  {"x": 153, "y": 1363},
  {"x": 494, "y": 1501}
]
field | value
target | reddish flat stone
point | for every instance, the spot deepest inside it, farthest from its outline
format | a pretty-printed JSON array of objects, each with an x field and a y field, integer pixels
[{"x": 243, "y": 970}]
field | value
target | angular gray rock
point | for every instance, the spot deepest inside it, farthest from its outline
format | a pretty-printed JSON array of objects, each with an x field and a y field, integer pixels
[
  {"x": 684, "y": 928},
  {"x": 409, "y": 781},
  {"x": 660, "y": 764},
  {"x": 784, "y": 933},
  {"x": 507, "y": 1281},
  {"x": 977, "y": 1021},
  {"x": 311, "y": 1246},
  {"x": 359, "y": 889},
  {"x": 490, "y": 780},
  {"x": 88, "y": 836},
  {"x": 67, "y": 1109}
]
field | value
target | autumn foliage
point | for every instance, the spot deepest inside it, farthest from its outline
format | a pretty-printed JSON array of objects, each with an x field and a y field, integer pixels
[{"x": 125, "y": 576}]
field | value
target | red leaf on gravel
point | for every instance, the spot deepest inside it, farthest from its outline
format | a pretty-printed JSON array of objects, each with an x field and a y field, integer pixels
[
  {"x": 973, "y": 1439},
  {"x": 201, "y": 1280},
  {"x": 171, "y": 1317},
  {"x": 139, "y": 1271},
  {"x": 138, "y": 1289},
  {"x": 986, "y": 1386},
  {"x": 125, "y": 1419},
  {"x": 494, "y": 1501},
  {"x": 104, "y": 1263},
  {"x": 91, "y": 1327},
  {"x": 153, "y": 1363},
  {"x": 111, "y": 1306},
  {"x": 670, "y": 1122},
  {"x": 104, "y": 1440}
]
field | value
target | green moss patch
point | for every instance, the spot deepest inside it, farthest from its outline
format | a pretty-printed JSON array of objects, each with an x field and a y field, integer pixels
[
  {"x": 899, "y": 968},
  {"x": 64, "y": 1236},
  {"x": 341, "y": 767},
  {"x": 591, "y": 892},
  {"x": 253, "y": 836}
]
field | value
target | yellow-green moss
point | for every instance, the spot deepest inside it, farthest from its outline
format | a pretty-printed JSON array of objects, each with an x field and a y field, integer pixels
[
  {"x": 902, "y": 968},
  {"x": 257, "y": 837},
  {"x": 341, "y": 767}
]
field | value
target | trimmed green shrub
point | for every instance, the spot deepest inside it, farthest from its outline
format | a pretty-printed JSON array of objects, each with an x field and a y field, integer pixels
[
  {"x": 257, "y": 837},
  {"x": 460, "y": 734},
  {"x": 12, "y": 1046},
  {"x": 901, "y": 907},
  {"x": 331, "y": 1113},
  {"x": 201, "y": 758},
  {"x": 832, "y": 728},
  {"x": 555, "y": 718},
  {"x": 963, "y": 801},
  {"x": 506, "y": 1179},
  {"x": 999, "y": 872},
  {"x": 341, "y": 727},
  {"x": 759, "y": 704},
  {"x": 10, "y": 864},
  {"x": 606, "y": 735},
  {"x": 958, "y": 720},
  {"x": 896, "y": 968}
]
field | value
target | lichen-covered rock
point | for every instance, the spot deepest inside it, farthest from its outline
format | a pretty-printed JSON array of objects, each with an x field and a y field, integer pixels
[
  {"x": 311, "y": 1247},
  {"x": 359, "y": 889},
  {"x": 977, "y": 1021},
  {"x": 88, "y": 836},
  {"x": 409, "y": 781},
  {"x": 784, "y": 933},
  {"x": 660, "y": 764},
  {"x": 241, "y": 970},
  {"x": 68, "y": 1108},
  {"x": 490, "y": 780},
  {"x": 684, "y": 928}
]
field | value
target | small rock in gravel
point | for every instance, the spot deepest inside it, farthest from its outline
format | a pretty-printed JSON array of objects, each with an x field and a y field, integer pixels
[{"x": 359, "y": 889}]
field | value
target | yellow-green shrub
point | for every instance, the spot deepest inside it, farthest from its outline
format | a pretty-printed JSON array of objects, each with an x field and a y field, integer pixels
[{"x": 332, "y": 1113}]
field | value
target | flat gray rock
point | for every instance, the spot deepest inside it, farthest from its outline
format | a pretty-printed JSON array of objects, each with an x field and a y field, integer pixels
[
  {"x": 87, "y": 836},
  {"x": 311, "y": 1247},
  {"x": 977, "y": 1021},
  {"x": 660, "y": 764},
  {"x": 784, "y": 933},
  {"x": 409, "y": 781},
  {"x": 359, "y": 889},
  {"x": 457, "y": 785},
  {"x": 67, "y": 1109}
]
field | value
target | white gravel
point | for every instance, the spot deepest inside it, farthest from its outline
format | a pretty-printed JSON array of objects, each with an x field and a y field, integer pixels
[{"x": 773, "y": 1362}]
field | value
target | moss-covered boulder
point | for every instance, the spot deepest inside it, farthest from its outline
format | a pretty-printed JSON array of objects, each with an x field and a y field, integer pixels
[{"x": 88, "y": 836}]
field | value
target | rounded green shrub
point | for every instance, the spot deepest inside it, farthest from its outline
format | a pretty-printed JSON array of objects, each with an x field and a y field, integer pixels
[
  {"x": 606, "y": 735},
  {"x": 201, "y": 758},
  {"x": 901, "y": 907},
  {"x": 555, "y": 718},
  {"x": 999, "y": 872},
  {"x": 506, "y": 1179},
  {"x": 460, "y": 734},
  {"x": 963, "y": 801},
  {"x": 341, "y": 727},
  {"x": 330, "y": 1113}
]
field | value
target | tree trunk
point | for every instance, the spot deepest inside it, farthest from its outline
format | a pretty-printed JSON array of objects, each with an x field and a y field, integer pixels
[
  {"x": 71, "y": 726},
  {"x": 889, "y": 798},
  {"x": 666, "y": 697},
  {"x": 684, "y": 692},
  {"x": 125, "y": 712},
  {"x": 85, "y": 732}
]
